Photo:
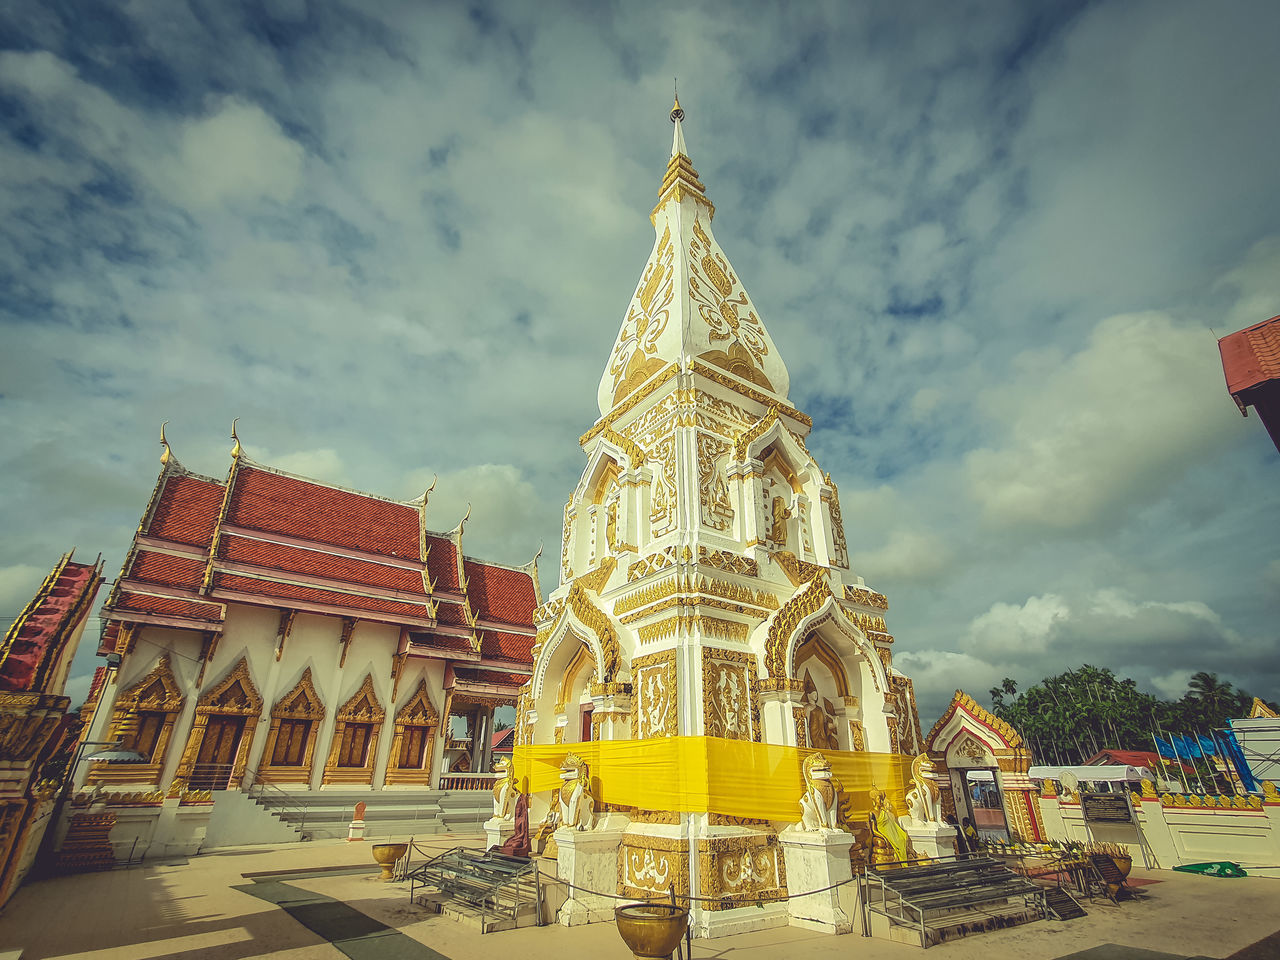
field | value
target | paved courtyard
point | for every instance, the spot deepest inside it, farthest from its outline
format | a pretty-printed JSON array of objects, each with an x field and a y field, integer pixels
[{"x": 208, "y": 908}]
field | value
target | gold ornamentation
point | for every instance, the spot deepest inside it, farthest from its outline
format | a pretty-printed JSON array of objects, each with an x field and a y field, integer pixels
[
  {"x": 626, "y": 445},
  {"x": 778, "y": 522},
  {"x": 856, "y": 735},
  {"x": 730, "y": 700},
  {"x": 806, "y": 602},
  {"x": 739, "y": 869},
  {"x": 712, "y": 290},
  {"x": 663, "y": 502},
  {"x": 303, "y": 704},
  {"x": 868, "y": 598},
  {"x": 841, "y": 551},
  {"x": 731, "y": 562},
  {"x": 646, "y": 595},
  {"x": 656, "y": 693},
  {"x": 361, "y": 713},
  {"x": 798, "y": 571},
  {"x": 594, "y": 619},
  {"x": 417, "y": 719},
  {"x": 549, "y": 611},
  {"x": 762, "y": 398},
  {"x": 621, "y": 409},
  {"x": 649, "y": 866},
  {"x": 597, "y": 578},
  {"x": 632, "y": 362},
  {"x": 651, "y": 564},
  {"x": 751, "y": 434},
  {"x": 234, "y": 695},
  {"x": 566, "y": 545},
  {"x": 713, "y": 492},
  {"x": 962, "y": 701}
]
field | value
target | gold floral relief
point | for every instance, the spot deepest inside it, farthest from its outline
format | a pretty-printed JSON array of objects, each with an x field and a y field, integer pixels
[
  {"x": 720, "y": 299},
  {"x": 653, "y": 865},
  {"x": 731, "y": 562},
  {"x": 655, "y": 695},
  {"x": 632, "y": 362},
  {"x": 730, "y": 698},
  {"x": 740, "y": 869},
  {"x": 662, "y": 503},
  {"x": 713, "y": 491},
  {"x": 857, "y": 738},
  {"x": 840, "y": 549},
  {"x": 652, "y": 563},
  {"x": 867, "y": 598},
  {"x": 566, "y": 547}
]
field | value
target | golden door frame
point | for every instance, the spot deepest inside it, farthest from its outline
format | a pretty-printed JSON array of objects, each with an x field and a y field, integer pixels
[
  {"x": 156, "y": 692},
  {"x": 223, "y": 700},
  {"x": 363, "y": 708},
  {"x": 417, "y": 712},
  {"x": 300, "y": 703}
]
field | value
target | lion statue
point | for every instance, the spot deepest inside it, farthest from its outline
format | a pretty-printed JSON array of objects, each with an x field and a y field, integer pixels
[
  {"x": 574, "y": 803},
  {"x": 820, "y": 804},
  {"x": 924, "y": 799},
  {"x": 504, "y": 790}
]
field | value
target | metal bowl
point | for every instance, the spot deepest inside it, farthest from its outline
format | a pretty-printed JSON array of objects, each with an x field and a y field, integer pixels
[
  {"x": 386, "y": 855},
  {"x": 651, "y": 930}
]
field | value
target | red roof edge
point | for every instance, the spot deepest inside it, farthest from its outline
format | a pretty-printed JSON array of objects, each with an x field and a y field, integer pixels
[{"x": 1251, "y": 356}]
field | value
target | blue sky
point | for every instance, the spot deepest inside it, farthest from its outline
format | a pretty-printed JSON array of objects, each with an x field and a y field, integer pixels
[{"x": 992, "y": 242}]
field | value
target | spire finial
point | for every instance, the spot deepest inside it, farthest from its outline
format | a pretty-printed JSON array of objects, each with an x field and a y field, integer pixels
[
  {"x": 164, "y": 457},
  {"x": 676, "y": 113},
  {"x": 235, "y": 450}
]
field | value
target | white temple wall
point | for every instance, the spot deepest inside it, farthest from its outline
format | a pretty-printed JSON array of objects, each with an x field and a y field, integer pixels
[{"x": 1167, "y": 836}]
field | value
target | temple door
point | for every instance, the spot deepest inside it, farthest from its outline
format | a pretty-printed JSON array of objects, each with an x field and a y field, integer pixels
[
  {"x": 217, "y": 753},
  {"x": 585, "y": 733}
]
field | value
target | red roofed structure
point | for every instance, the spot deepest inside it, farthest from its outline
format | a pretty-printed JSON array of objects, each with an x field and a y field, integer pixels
[
  {"x": 340, "y": 611},
  {"x": 35, "y": 659},
  {"x": 1251, "y": 364}
]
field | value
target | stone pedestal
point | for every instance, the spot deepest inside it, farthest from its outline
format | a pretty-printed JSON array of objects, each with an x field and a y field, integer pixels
[
  {"x": 931, "y": 839},
  {"x": 589, "y": 860},
  {"x": 497, "y": 831},
  {"x": 818, "y": 859},
  {"x": 355, "y": 830}
]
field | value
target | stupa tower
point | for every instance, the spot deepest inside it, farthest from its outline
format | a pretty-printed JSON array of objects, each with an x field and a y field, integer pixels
[{"x": 705, "y": 588}]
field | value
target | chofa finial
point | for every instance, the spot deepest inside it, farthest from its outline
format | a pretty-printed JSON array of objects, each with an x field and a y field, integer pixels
[
  {"x": 167, "y": 455},
  {"x": 236, "y": 450}
]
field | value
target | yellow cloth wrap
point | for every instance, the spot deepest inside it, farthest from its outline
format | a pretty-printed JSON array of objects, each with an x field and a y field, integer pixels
[{"x": 708, "y": 774}]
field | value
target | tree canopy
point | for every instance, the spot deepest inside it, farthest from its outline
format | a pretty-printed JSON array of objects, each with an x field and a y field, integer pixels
[{"x": 1069, "y": 717}]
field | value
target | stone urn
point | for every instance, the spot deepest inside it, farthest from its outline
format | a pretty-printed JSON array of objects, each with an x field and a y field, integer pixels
[
  {"x": 386, "y": 855},
  {"x": 651, "y": 931}
]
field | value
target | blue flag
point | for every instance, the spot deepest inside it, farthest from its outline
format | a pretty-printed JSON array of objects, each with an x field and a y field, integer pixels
[
  {"x": 1187, "y": 746},
  {"x": 1207, "y": 747},
  {"x": 1231, "y": 749},
  {"x": 1166, "y": 750}
]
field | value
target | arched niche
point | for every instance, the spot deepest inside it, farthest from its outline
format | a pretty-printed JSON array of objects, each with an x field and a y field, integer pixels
[
  {"x": 563, "y": 701},
  {"x": 355, "y": 737},
  {"x": 217, "y": 750},
  {"x": 143, "y": 719},
  {"x": 295, "y": 727}
]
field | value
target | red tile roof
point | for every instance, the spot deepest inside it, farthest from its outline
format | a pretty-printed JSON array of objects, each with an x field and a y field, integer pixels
[
  {"x": 35, "y": 641},
  {"x": 302, "y": 532},
  {"x": 1251, "y": 356},
  {"x": 495, "y": 677},
  {"x": 264, "y": 500},
  {"x": 187, "y": 510},
  {"x": 289, "y": 591},
  {"x": 507, "y": 646},
  {"x": 152, "y": 567},
  {"x": 442, "y": 563},
  {"x": 1132, "y": 758},
  {"x": 503, "y": 594},
  {"x": 168, "y": 606},
  {"x": 294, "y": 559}
]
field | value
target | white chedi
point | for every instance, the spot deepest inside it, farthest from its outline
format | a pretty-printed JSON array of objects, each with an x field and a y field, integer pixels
[{"x": 820, "y": 804}]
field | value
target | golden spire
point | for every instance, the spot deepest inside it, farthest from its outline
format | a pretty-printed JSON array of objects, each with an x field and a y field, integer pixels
[
  {"x": 168, "y": 454},
  {"x": 235, "y": 450},
  {"x": 681, "y": 179}
]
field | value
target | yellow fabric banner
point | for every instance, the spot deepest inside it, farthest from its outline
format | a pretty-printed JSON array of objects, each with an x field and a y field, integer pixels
[{"x": 708, "y": 774}]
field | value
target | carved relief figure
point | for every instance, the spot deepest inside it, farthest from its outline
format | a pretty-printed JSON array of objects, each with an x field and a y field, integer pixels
[
  {"x": 820, "y": 805},
  {"x": 823, "y": 733},
  {"x": 611, "y": 526},
  {"x": 778, "y": 524},
  {"x": 575, "y": 806},
  {"x": 730, "y": 710},
  {"x": 924, "y": 800}
]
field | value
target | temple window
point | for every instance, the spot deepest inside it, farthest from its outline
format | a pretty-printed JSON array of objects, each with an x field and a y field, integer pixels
[
  {"x": 355, "y": 737},
  {"x": 414, "y": 737},
  {"x": 143, "y": 719},
  {"x": 355, "y": 744},
  {"x": 291, "y": 744}
]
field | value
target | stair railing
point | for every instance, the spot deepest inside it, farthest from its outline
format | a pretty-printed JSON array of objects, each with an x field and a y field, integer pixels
[{"x": 271, "y": 796}]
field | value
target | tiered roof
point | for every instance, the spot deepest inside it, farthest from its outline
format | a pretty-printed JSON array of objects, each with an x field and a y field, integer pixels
[
  {"x": 35, "y": 642},
  {"x": 269, "y": 538}
]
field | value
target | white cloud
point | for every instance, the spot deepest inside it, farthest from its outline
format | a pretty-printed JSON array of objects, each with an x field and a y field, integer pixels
[
  {"x": 1112, "y": 426},
  {"x": 908, "y": 555},
  {"x": 1012, "y": 630},
  {"x": 18, "y": 584}
]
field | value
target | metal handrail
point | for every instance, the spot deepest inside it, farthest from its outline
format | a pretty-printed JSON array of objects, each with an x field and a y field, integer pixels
[{"x": 262, "y": 789}]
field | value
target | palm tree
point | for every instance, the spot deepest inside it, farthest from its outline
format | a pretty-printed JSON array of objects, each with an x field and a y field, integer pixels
[{"x": 1215, "y": 696}]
